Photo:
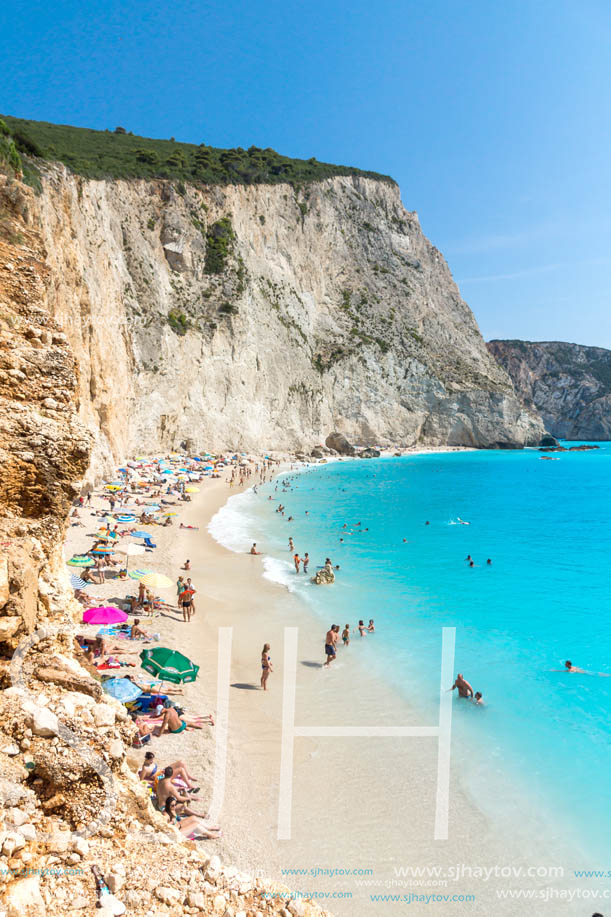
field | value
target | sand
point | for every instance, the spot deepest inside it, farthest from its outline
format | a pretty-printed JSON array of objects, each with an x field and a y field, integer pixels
[{"x": 358, "y": 804}]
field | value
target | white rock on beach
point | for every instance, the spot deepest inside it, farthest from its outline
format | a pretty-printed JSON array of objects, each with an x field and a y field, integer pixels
[
  {"x": 104, "y": 715},
  {"x": 23, "y": 897}
]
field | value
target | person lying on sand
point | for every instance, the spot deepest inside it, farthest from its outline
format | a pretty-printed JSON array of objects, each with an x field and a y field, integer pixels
[
  {"x": 463, "y": 686},
  {"x": 194, "y": 527},
  {"x": 190, "y": 825}
]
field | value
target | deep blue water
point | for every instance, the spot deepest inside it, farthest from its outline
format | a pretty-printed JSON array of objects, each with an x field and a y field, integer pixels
[{"x": 542, "y": 743}]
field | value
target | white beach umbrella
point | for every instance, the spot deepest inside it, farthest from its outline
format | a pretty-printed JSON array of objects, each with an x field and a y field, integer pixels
[{"x": 130, "y": 550}]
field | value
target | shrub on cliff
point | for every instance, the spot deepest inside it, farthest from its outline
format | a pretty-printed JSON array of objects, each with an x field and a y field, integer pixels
[{"x": 219, "y": 241}]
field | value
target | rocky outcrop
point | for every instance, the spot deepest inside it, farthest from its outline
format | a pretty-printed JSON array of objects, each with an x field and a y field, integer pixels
[
  {"x": 568, "y": 384},
  {"x": 324, "y": 577},
  {"x": 339, "y": 443},
  {"x": 257, "y": 316}
]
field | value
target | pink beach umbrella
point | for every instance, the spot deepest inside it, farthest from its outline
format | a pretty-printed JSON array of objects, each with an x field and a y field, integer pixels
[{"x": 104, "y": 614}]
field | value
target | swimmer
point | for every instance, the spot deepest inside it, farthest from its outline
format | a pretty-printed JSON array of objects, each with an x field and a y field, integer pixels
[
  {"x": 478, "y": 698},
  {"x": 371, "y": 627},
  {"x": 569, "y": 667},
  {"x": 427, "y": 522},
  {"x": 463, "y": 686},
  {"x": 488, "y": 563},
  {"x": 362, "y": 629},
  {"x": 468, "y": 557},
  {"x": 462, "y": 521},
  {"x": 471, "y": 564}
]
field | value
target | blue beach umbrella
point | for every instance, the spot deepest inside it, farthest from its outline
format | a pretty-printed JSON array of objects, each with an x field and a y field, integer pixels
[
  {"x": 140, "y": 534},
  {"x": 122, "y": 689},
  {"x": 126, "y": 519}
]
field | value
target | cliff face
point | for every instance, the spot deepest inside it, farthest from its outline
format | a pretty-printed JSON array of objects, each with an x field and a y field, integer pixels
[
  {"x": 252, "y": 316},
  {"x": 568, "y": 384}
]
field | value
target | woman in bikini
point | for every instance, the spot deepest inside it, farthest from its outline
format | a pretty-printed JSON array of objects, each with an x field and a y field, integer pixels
[
  {"x": 190, "y": 825},
  {"x": 266, "y": 665}
]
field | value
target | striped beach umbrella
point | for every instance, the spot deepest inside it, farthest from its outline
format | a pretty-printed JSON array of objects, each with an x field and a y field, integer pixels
[
  {"x": 138, "y": 574},
  {"x": 77, "y": 583},
  {"x": 79, "y": 561}
]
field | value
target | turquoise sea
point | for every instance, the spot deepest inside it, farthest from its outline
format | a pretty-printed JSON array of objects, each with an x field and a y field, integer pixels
[{"x": 541, "y": 745}]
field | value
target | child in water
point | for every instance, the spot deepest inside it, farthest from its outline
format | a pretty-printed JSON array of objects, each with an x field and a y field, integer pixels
[
  {"x": 362, "y": 629},
  {"x": 371, "y": 627},
  {"x": 346, "y": 635}
]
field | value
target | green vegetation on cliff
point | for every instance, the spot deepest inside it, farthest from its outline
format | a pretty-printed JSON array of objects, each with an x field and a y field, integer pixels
[{"x": 119, "y": 154}]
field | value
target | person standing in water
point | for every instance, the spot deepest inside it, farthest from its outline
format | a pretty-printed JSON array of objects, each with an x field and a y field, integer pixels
[
  {"x": 296, "y": 561},
  {"x": 330, "y": 641},
  {"x": 306, "y": 561},
  {"x": 362, "y": 628},
  {"x": 346, "y": 635},
  {"x": 266, "y": 665},
  {"x": 463, "y": 687},
  {"x": 371, "y": 627}
]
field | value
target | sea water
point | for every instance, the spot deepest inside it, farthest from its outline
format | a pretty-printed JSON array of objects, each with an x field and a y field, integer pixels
[{"x": 541, "y": 745}]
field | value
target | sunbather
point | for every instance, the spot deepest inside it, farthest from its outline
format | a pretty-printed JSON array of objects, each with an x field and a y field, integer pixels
[{"x": 189, "y": 825}]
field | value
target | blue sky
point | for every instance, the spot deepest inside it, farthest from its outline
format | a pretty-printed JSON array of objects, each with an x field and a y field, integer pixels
[{"x": 494, "y": 117}]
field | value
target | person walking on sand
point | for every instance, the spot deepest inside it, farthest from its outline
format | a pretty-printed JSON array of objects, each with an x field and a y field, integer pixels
[
  {"x": 266, "y": 665},
  {"x": 330, "y": 641}
]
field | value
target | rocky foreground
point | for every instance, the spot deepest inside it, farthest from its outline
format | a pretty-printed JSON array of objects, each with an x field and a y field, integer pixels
[{"x": 69, "y": 796}]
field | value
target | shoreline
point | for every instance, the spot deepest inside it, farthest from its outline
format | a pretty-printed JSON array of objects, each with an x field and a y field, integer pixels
[{"x": 232, "y": 592}]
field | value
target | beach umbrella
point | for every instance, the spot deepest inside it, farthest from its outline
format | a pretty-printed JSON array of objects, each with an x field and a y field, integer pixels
[
  {"x": 192, "y": 490},
  {"x": 77, "y": 583},
  {"x": 122, "y": 689},
  {"x": 140, "y": 534},
  {"x": 138, "y": 574},
  {"x": 169, "y": 665},
  {"x": 79, "y": 561},
  {"x": 169, "y": 514},
  {"x": 126, "y": 518},
  {"x": 104, "y": 614},
  {"x": 103, "y": 551},
  {"x": 156, "y": 581},
  {"x": 131, "y": 549}
]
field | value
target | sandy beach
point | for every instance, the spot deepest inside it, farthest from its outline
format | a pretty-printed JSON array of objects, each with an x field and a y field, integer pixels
[{"x": 358, "y": 804}]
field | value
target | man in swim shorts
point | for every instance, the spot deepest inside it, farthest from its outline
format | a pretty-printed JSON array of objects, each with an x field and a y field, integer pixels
[{"x": 330, "y": 641}]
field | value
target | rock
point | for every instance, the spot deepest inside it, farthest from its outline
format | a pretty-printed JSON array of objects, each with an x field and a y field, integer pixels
[
  {"x": 24, "y": 897},
  {"x": 104, "y": 715},
  {"x": 214, "y": 866},
  {"x": 323, "y": 577},
  {"x": 296, "y": 907},
  {"x": 79, "y": 903},
  {"x": 70, "y": 681},
  {"x": 12, "y": 842},
  {"x": 548, "y": 440},
  {"x": 4, "y": 587},
  {"x": 369, "y": 453},
  {"x": 28, "y": 831},
  {"x": 9, "y": 627},
  {"x": 339, "y": 442},
  {"x": 114, "y": 881},
  {"x": 72, "y": 859},
  {"x": 44, "y": 723},
  {"x": 116, "y": 749},
  {"x": 16, "y": 817},
  {"x": 219, "y": 904},
  {"x": 316, "y": 453},
  {"x": 11, "y": 750},
  {"x": 55, "y": 802},
  {"x": 197, "y": 899},
  {"x": 80, "y": 845},
  {"x": 168, "y": 895}
]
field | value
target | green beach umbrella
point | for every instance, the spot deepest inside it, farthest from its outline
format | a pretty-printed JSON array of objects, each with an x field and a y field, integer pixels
[
  {"x": 80, "y": 561},
  {"x": 168, "y": 665}
]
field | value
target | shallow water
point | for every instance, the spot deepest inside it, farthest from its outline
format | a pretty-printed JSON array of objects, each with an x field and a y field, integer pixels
[{"x": 542, "y": 741}]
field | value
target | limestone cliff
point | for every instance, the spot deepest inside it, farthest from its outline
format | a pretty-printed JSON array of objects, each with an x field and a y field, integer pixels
[
  {"x": 568, "y": 384},
  {"x": 254, "y": 316}
]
